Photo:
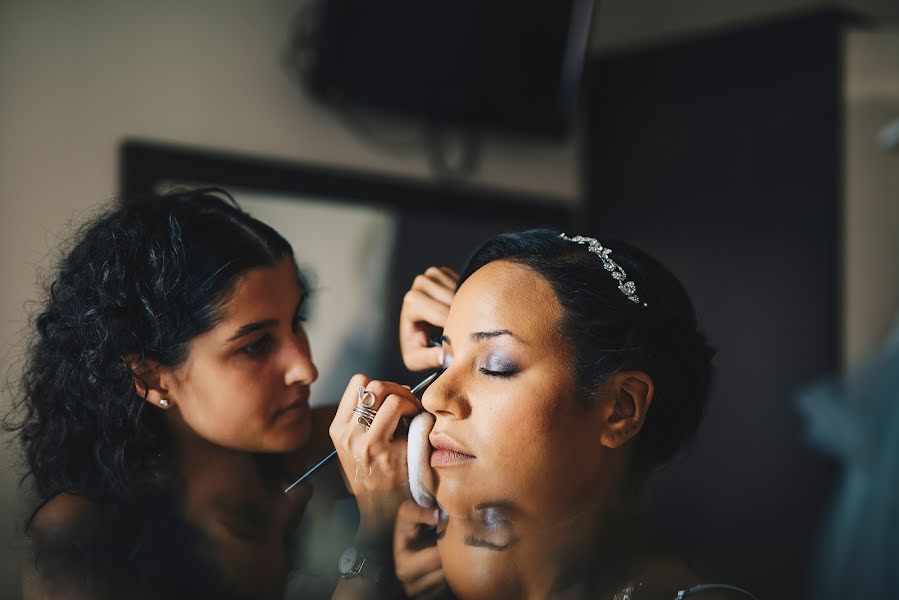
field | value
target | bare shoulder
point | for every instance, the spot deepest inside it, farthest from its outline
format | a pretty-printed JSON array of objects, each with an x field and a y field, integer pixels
[
  {"x": 54, "y": 550},
  {"x": 63, "y": 513}
]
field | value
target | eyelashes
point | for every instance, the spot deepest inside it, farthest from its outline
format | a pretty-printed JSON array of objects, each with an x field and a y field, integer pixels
[
  {"x": 259, "y": 347},
  {"x": 266, "y": 343},
  {"x": 301, "y": 316},
  {"x": 497, "y": 365},
  {"x": 500, "y": 374}
]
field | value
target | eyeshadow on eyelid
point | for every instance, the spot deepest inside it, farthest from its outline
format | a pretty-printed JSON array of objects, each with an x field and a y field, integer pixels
[
  {"x": 499, "y": 362},
  {"x": 493, "y": 518}
]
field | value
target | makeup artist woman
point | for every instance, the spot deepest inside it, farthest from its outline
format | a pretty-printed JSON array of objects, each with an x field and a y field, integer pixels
[{"x": 165, "y": 403}]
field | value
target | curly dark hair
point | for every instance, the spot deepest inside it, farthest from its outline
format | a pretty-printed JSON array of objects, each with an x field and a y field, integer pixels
[
  {"x": 138, "y": 282},
  {"x": 607, "y": 332}
]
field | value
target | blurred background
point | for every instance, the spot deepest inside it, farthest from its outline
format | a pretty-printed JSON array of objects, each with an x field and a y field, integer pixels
[{"x": 752, "y": 145}]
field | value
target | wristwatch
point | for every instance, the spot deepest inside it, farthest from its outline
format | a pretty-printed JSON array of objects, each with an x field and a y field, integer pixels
[{"x": 353, "y": 563}]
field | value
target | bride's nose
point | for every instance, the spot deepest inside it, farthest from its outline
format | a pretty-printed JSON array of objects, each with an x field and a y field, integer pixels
[{"x": 446, "y": 396}]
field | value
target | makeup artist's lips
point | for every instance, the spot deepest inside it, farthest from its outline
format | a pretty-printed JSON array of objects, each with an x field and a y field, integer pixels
[
  {"x": 295, "y": 410},
  {"x": 446, "y": 451}
]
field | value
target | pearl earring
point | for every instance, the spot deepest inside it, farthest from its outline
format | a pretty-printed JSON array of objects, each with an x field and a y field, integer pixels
[{"x": 164, "y": 403}]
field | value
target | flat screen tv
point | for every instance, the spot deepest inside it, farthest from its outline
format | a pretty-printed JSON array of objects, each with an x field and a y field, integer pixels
[{"x": 497, "y": 64}]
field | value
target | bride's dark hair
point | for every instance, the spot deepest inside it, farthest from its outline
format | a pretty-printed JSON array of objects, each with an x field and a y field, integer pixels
[
  {"x": 608, "y": 332},
  {"x": 138, "y": 282}
]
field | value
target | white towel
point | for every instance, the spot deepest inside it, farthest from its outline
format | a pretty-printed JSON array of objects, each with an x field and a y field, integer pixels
[{"x": 421, "y": 478}]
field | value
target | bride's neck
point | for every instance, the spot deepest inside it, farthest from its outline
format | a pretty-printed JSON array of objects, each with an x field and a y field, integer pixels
[{"x": 597, "y": 547}]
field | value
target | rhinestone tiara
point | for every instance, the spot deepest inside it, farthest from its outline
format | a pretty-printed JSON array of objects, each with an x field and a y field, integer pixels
[{"x": 618, "y": 274}]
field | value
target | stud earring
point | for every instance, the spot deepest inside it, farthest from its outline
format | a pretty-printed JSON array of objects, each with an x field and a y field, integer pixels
[{"x": 164, "y": 403}]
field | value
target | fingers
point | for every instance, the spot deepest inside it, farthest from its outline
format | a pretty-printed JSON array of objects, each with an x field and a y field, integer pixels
[
  {"x": 384, "y": 389},
  {"x": 420, "y": 316},
  {"x": 371, "y": 460},
  {"x": 419, "y": 569},
  {"x": 425, "y": 309},
  {"x": 445, "y": 276},
  {"x": 426, "y": 583},
  {"x": 349, "y": 400},
  {"x": 420, "y": 307},
  {"x": 423, "y": 358},
  {"x": 389, "y": 414},
  {"x": 435, "y": 284},
  {"x": 408, "y": 519}
]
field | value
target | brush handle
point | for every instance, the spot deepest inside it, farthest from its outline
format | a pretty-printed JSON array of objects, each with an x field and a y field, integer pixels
[{"x": 320, "y": 464}]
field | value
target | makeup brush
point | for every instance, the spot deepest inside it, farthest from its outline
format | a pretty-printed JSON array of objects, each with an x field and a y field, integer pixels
[{"x": 418, "y": 388}]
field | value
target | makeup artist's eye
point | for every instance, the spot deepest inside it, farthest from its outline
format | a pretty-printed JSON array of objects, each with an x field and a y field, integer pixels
[
  {"x": 300, "y": 317},
  {"x": 258, "y": 347}
]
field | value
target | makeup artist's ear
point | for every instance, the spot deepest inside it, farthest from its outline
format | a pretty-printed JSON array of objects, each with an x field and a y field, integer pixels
[
  {"x": 623, "y": 410},
  {"x": 151, "y": 381}
]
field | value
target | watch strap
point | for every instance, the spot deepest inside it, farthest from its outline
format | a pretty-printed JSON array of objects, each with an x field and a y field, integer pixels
[{"x": 370, "y": 570}]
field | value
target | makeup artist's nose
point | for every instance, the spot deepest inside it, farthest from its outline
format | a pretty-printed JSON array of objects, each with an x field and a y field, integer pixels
[
  {"x": 299, "y": 366},
  {"x": 445, "y": 397}
]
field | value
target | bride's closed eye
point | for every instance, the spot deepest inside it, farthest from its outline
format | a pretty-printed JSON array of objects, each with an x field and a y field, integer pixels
[{"x": 498, "y": 364}]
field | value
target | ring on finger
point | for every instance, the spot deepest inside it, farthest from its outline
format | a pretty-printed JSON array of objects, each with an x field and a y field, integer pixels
[
  {"x": 365, "y": 412},
  {"x": 366, "y": 398}
]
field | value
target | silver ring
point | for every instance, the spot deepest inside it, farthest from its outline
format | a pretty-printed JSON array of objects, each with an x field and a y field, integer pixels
[
  {"x": 365, "y": 412},
  {"x": 363, "y": 394},
  {"x": 365, "y": 422}
]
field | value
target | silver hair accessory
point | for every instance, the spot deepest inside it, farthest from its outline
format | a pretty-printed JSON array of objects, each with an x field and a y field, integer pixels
[
  {"x": 627, "y": 287},
  {"x": 164, "y": 403}
]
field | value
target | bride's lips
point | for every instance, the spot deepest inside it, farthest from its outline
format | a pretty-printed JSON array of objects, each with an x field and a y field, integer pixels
[{"x": 447, "y": 452}]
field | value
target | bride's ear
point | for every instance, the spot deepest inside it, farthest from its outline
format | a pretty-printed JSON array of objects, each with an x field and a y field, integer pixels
[
  {"x": 624, "y": 407},
  {"x": 151, "y": 381}
]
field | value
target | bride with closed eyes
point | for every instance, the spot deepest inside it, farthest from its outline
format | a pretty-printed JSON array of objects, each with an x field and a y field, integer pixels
[{"x": 573, "y": 369}]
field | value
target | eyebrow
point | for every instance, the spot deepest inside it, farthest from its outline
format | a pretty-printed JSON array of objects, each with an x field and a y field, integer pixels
[
  {"x": 266, "y": 324},
  {"x": 251, "y": 327},
  {"x": 480, "y": 336}
]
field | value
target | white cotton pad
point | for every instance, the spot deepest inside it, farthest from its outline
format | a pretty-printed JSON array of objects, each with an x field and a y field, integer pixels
[{"x": 421, "y": 477}]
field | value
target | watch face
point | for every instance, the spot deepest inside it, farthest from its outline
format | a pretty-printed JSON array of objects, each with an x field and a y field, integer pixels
[{"x": 347, "y": 561}]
